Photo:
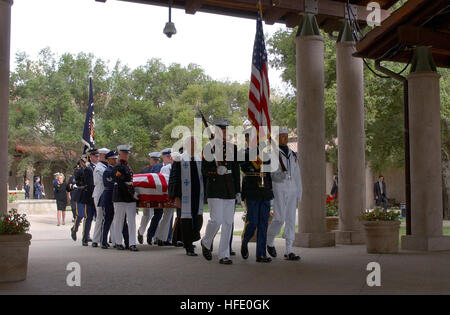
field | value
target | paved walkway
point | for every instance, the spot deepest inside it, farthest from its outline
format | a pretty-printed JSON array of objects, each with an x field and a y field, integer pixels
[{"x": 167, "y": 270}]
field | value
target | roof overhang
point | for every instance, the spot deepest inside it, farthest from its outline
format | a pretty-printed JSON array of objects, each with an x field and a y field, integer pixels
[
  {"x": 416, "y": 23},
  {"x": 288, "y": 12}
]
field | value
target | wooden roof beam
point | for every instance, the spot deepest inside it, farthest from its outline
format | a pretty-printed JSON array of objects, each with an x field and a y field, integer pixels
[
  {"x": 410, "y": 35},
  {"x": 192, "y": 6},
  {"x": 274, "y": 14}
]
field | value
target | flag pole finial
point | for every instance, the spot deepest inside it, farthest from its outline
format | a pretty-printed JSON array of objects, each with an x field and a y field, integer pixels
[{"x": 259, "y": 5}]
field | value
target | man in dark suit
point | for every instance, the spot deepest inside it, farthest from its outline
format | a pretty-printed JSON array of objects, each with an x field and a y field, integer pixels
[
  {"x": 379, "y": 191},
  {"x": 27, "y": 189}
]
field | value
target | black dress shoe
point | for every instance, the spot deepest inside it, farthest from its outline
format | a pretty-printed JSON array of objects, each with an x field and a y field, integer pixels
[
  {"x": 94, "y": 245},
  {"x": 140, "y": 238},
  {"x": 133, "y": 248},
  {"x": 272, "y": 251},
  {"x": 149, "y": 240},
  {"x": 178, "y": 244},
  {"x": 109, "y": 240},
  {"x": 73, "y": 234},
  {"x": 85, "y": 243},
  {"x": 166, "y": 243},
  {"x": 191, "y": 253},
  {"x": 105, "y": 246},
  {"x": 160, "y": 243},
  {"x": 232, "y": 253},
  {"x": 120, "y": 247},
  {"x": 206, "y": 252},
  {"x": 89, "y": 239},
  {"x": 263, "y": 259},
  {"x": 244, "y": 250},
  {"x": 292, "y": 257},
  {"x": 225, "y": 261},
  {"x": 127, "y": 247}
]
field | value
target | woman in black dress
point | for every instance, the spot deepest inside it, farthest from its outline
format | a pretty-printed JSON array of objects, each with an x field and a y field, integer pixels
[{"x": 61, "y": 192}]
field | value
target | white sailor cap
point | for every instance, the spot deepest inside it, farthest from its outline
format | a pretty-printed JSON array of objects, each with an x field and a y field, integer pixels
[
  {"x": 124, "y": 148},
  {"x": 222, "y": 123},
  {"x": 103, "y": 150},
  {"x": 166, "y": 151},
  {"x": 154, "y": 155}
]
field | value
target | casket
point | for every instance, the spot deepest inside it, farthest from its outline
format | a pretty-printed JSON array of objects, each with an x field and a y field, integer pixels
[{"x": 152, "y": 191}]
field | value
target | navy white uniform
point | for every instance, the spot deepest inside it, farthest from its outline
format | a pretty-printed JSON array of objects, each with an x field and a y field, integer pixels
[{"x": 98, "y": 191}]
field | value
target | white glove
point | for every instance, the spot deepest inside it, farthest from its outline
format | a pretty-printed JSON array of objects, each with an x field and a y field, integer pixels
[
  {"x": 238, "y": 198},
  {"x": 222, "y": 170}
]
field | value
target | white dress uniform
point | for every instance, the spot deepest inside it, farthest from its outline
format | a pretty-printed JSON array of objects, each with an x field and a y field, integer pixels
[
  {"x": 162, "y": 231},
  {"x": 98, "y": 191},
  {"x": 287, "y": 190}
]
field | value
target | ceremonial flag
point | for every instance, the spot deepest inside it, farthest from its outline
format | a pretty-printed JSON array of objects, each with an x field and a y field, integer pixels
[
  {"x": 89, "y": 124},
  {"x": 259, "y": 95}
]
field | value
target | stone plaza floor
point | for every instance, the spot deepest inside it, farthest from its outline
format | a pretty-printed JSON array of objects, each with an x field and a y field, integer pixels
[{"x": 167, "y": 270}]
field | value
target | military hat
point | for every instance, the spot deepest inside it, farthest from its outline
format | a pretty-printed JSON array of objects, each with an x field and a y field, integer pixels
[
  {"x": 112, "y": 155},
  {"x": 221, "y": 123},
  {"x": 283, "y": 131},
  {"x": 124, "y": 148},
  {"x": 166, "y": 151},
  {"x": 103, "y": 150},
  {"x": 154, "y": 155},
  {"x": 93, "y": 151}
]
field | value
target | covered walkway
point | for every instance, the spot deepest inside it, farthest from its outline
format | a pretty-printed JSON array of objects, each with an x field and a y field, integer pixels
[{"x": 167, "y": 270}]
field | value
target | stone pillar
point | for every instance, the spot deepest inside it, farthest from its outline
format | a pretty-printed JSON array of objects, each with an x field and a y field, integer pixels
[
  {"x": 425, "y": 149},
  {"x": 5, "y": 33},
  {"x": 351, "y": 135},
  {"x": 311, "y": 135},
  {"x": 370, "y": 199}
]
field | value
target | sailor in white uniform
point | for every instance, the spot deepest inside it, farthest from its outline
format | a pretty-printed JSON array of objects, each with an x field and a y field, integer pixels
[
  {"x": 98, "y": 191},
  {"x": 287, "y": 189},
  {"x": 162, "y": 232}
]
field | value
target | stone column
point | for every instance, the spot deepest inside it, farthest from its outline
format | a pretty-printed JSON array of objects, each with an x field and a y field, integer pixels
[
  {"x": 5, "y": 33},
  {"x": 311, "y": 135},
  {"x": 425, "y": 150},
  {"x": 351, "y": 135}
]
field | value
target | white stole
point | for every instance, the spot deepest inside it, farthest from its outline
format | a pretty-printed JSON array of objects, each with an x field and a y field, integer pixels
[{"x": 186, "y": 185}]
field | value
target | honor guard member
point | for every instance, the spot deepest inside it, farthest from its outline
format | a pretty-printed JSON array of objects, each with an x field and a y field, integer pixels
[
  {"x": 86, "y": 195},
  {"x": 147, "y": 213},
  {"x": 165, "y": 224},
  {"x": 287, "y": 188},
  {"x": 186, "y": 188},
  {"x": 124, "y": 198},
  {"x": 77, "y": 187},
  {"x": 106, "y": 201},
  {"x": 257, "y": 194},
  {"x": 220, "y": 169},
  {"x": 157, "y": 213},
  {"x": 98, "y": 191}
]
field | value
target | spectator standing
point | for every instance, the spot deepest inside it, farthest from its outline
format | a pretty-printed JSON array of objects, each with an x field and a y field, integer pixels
[
  {"x": 379, "y": 191},
  {"x": 61, "y": 196}
]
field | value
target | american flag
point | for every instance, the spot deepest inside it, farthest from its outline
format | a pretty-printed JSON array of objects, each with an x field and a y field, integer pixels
[
  {"x": 89, "y": 124},
  {"x": 259, "y": 95}
]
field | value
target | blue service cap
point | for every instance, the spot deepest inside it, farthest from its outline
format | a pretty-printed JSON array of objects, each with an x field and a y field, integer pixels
[{"x": 112, "y": 155}]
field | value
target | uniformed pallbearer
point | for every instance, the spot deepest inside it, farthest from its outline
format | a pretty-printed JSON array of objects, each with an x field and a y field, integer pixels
[{"x": 124, "y": 198}]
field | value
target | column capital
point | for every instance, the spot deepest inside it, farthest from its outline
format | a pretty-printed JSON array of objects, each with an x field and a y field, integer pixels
[
  {"x": 423, "y": 60},
  {"x": 308, "y": 26},
  {"x": 345, "y": 34},
  {"x": 10, "y": 2}
]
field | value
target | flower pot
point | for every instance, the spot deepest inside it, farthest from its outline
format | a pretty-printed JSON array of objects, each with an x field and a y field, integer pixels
[
  {"x": 382, "y": 237},
  {"x": 14, "y": 257},
  {"x": 332, "y": 223}
]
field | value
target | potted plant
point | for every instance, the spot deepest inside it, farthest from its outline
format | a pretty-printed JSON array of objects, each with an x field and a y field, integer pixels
[
  {"x": 332, "y": 217},
  {"x": 382, "y": 231},
  {"x": 14, "y": 245}
]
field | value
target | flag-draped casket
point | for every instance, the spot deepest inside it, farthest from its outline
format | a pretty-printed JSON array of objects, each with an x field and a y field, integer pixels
[{"x": 152, "y": 189}]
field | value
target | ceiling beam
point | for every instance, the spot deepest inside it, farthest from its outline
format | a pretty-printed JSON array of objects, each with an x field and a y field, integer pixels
[
  {"x": 192, "y": 6},
  {"x": 410, "y": 35},
  {"x": 274, "y": 14}
]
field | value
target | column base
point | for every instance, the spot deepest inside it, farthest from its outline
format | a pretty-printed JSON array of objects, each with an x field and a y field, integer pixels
[
  {"x": 350, "y": 237},
  {"x": 424, "y": 243},
  {"x": 314, "y": 240}
]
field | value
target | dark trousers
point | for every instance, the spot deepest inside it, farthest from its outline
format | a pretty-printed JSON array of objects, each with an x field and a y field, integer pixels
[
  {"x": 73, "y": 206},
  {"x": 382, "y": 201},
  {"x": 157, "y": 215},
  {"x": 107, "y": 221},
  {"x": 86, "y": 212},
  {"x": 176, "y": 231},
  {"x": 190, "y": 228},
  {"x": 258, "y": 212}
]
